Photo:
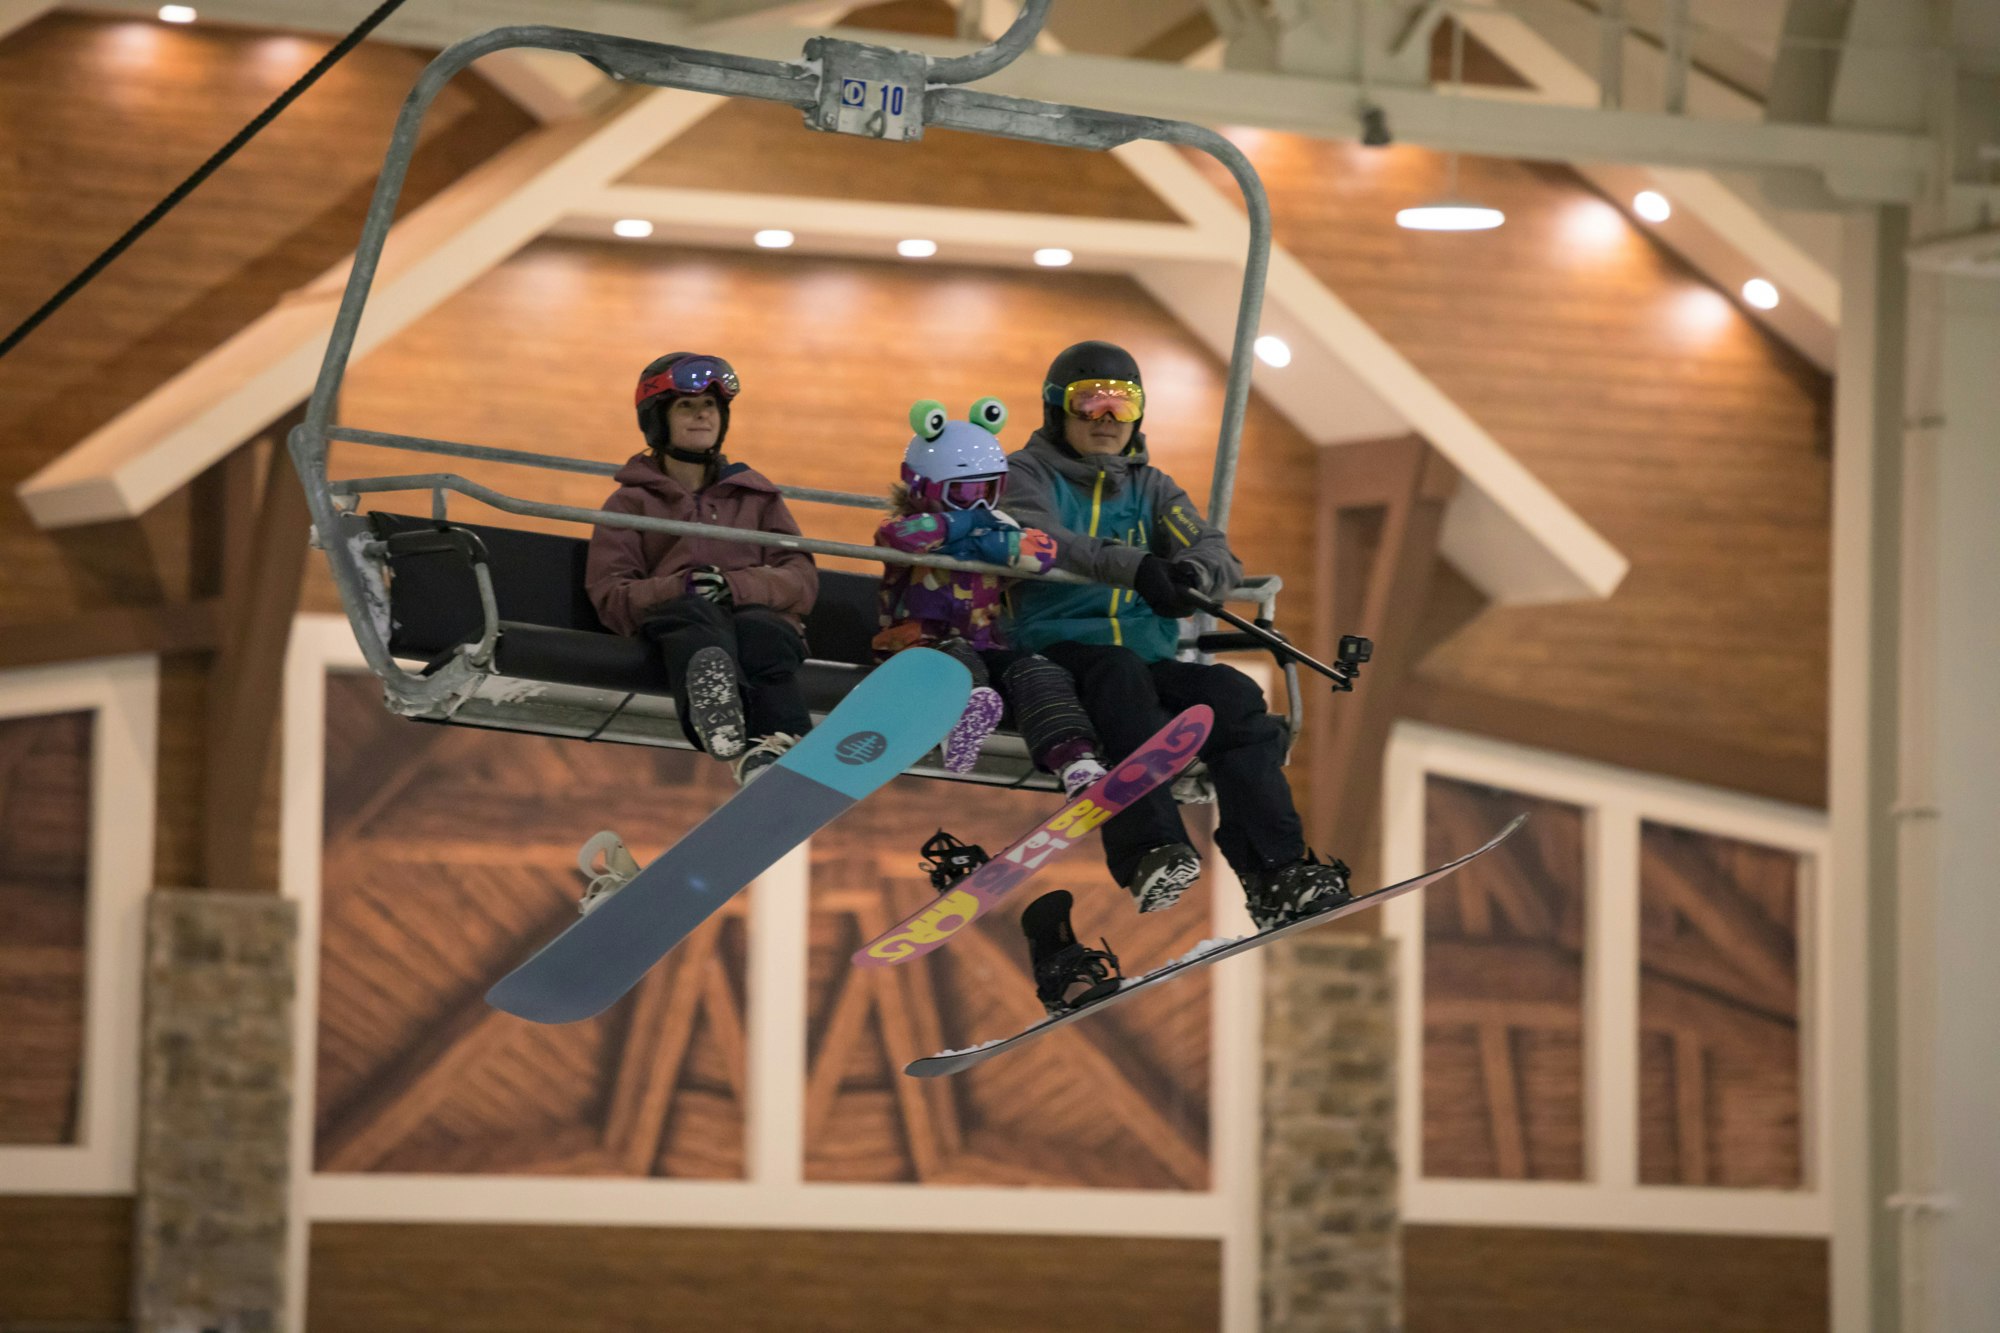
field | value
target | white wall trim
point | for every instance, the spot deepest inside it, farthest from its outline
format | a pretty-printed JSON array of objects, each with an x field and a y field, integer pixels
[
  {"x": 774, "y": 1195},
  {"x": 1616, "y": 802},
  {"x": 123, "y": 693}
]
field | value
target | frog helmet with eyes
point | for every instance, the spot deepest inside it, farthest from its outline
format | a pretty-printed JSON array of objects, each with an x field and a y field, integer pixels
[{"x": 956, "y": 464}]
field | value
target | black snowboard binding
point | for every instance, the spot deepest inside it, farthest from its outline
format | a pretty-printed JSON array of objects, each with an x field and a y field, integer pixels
[
  {"x": 1061, "y": 962},
  {"x": 947, "y": 860},
  {"x": 1284, "y": 894}
]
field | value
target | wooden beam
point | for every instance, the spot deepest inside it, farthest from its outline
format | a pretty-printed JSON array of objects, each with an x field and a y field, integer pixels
[
  {"x": 725, "y": 1024},
  {"x": 1691, "y": 1108},
  {"x": 1350, "y": 736},
  {"x": 1736, "y": 927},
  {"x": 1503, "y": 1102},
  {"x": 1798, "y": 779},
  {"x": 246, "y": 684},
  {"x": 843, "y": 1029},
  {"x": 657, "y": 1037},
  {"x": 187, "y": 628}
]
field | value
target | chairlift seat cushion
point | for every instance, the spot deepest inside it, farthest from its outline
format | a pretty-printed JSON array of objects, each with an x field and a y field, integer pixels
[{"x": 549, "y": 630}]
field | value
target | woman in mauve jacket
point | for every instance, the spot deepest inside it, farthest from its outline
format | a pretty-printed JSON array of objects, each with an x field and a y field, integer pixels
[{"x": 725, "y": 617}]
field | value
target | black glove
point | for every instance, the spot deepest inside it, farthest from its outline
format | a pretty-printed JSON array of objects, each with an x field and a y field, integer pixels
[
  {"x": 708, "y": 583},
  {"x": 1157, "y": 582},
  {"x": 1186, "y": 574}
]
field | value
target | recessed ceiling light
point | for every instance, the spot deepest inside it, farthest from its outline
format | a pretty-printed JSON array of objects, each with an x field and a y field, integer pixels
[
  {"x": 1274, "y": 351},
  {"x": 1652, "y": 206},
  {"x": 1053, "y": 256},
  {"x": 774, "y": 238},
  {"x": 177, "y": 14},
  {"x": 1450, "y": 215},
  {"x": 1761, "y": 294},
  {"x": 637, "y": 229},
  {"x": 916, "y": 248}
]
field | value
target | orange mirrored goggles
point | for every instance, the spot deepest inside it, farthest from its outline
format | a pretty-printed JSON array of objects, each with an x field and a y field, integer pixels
[{"x": 1121, "y": 400}]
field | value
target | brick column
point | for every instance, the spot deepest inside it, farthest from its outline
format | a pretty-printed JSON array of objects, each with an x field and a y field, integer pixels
[
  {"x": 1332, "y": 1234},
  {"x": 214, "y": 1146}
]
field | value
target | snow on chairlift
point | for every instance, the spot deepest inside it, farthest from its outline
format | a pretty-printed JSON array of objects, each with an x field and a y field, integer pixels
[{"x": 489, "y": 626}]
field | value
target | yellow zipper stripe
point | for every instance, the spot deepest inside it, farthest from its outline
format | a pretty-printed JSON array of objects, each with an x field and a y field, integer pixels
[{"x": 1096, "y": 503}]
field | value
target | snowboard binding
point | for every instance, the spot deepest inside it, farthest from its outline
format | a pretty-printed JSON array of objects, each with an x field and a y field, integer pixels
[
  {"x": 606, "y": 866},
  {"x": 947, "y": 860},
  {"x": 1062, "y": 962}
]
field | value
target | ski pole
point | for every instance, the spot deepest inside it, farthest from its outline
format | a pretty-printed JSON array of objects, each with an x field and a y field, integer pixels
[{"x": 1354, "y": 650}]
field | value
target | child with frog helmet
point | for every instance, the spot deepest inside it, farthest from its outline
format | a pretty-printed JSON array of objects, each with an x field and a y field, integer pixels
[{"x": 948, "y": 503}]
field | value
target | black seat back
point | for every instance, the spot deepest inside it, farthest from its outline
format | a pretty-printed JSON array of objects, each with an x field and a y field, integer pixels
[{"x": 538, "y": 579}]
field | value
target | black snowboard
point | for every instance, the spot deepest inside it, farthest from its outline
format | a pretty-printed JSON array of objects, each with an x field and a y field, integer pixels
[{"x": 1211, "y": 951}]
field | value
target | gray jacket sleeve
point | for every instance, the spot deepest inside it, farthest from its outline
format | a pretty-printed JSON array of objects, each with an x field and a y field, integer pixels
[
  {"x": 1031, "y": 500},
  {"x": 1182, "y": 535}
]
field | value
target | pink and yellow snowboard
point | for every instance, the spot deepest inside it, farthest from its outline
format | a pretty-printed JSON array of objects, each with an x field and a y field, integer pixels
[{"x": 1159, "y": 760}]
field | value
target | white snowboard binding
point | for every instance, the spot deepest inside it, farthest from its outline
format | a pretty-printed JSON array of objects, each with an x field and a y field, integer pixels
[
  {"x": 617, "y": 870},
  {"x": 1194, "y": 786}
]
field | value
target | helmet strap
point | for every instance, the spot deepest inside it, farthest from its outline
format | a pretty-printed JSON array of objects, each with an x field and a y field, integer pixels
[{"x": 690, "y": 455}]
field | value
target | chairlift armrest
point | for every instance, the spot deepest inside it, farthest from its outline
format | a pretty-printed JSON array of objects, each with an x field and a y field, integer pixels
[{"x": 437, "y": 541}]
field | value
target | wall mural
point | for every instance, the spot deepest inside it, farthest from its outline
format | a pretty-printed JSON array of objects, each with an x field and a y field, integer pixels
[
  {"x": 1503, "y": 989},
  {"x": 449, "y": 852},
  {"x": 1719, "y": 1002},
  {"x": 1719, "y": 1056},
  {"x": 44, "y": 894}
]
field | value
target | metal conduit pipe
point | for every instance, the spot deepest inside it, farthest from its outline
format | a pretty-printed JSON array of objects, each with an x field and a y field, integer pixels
[{"x": 996, "y": 55}]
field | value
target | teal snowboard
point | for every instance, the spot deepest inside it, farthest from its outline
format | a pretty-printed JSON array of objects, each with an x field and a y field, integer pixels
[{"x": 886, "y": 723}]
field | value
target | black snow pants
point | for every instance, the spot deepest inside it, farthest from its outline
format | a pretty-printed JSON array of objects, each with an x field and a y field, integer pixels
[
  {"x": 766, "y": 649},
  {"x": 1129, "y": 698}
]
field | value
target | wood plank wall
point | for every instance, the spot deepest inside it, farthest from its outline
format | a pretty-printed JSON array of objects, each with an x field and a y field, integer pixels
[
  {"x": 521, "y": 1279},
  {"x": 65, "y": 1263},
  {"x": 1695, "y": 443},
  {"x": 122, "y": 110},
  {"x": 1521, "y": 1280}
]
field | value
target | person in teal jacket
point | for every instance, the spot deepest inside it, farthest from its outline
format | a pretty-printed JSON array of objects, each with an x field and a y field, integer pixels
[{"x": 1085, "y": 479}]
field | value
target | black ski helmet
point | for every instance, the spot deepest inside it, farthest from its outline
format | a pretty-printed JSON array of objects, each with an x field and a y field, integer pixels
[
  {"x": 653, "y": 410},
  {"x": 1086, "y": 361}
]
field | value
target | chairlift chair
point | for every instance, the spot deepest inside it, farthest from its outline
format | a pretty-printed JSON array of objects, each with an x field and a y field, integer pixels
[{"x": 489, "y": 626}]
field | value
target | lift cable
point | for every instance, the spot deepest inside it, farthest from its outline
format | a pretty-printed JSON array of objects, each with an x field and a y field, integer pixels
[{"x": 202, "y": 173}]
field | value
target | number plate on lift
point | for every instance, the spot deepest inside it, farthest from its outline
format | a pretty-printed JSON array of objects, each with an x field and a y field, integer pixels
[
  {"x": 870, "y": 91},
  {"x": 875, "y": 109}
]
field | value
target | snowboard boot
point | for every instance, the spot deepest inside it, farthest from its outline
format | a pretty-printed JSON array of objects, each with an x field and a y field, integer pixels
[
  {"x": 975, "y": 724},
  {"x": 1163, "y": 875},
  {"x": 1283, "y": 894},
  {"x": 947, "y": 860},
  {"x": 761, "y": 756},
  {"x": 1080, "y": 775},
  {"x": 715, "y": 704},
  {"x": 1061, "y": 962},
  {"x": 617, "y": 870}
]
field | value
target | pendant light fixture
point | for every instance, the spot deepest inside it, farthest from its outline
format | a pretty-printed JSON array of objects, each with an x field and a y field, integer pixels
[{"x": 1452, "y": 213}]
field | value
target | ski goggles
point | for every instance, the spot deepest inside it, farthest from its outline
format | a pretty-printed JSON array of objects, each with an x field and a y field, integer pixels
[
  {"x": 691, "y": 375},
  {"x": 973, "y": 492},
  {"x": 1122, "y": 400}
]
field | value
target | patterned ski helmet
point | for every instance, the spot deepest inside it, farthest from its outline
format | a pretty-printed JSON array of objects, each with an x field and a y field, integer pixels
[{"x": 956, "y": 464}]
